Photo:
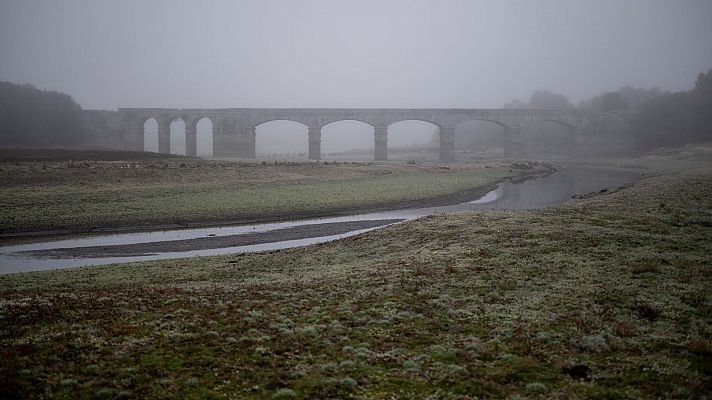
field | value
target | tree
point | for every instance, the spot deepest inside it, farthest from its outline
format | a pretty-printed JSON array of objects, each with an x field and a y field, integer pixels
[
  {"x": 704, "y": 83},
  {"x": 626, "y": 98},
  {"x": 677, "y": 118},
  {"x": 702, "y": 95},
  {"x": 546, "y": 100},
  {"x": 33, "y": 117},
  {"x": 516, "y": 104},
  {"x": 665, "y": 121},
  {"x": 543, "y": 100},
  {"x": 613, "y": 101}
]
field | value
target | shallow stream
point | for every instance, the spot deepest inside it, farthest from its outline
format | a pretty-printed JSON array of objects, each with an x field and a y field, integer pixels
[{"x": 551, "y": 190}]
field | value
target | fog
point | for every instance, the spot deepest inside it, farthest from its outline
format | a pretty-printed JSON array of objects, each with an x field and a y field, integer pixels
[
  {"x": 332, "y": 54},
  {"x": 306, "y": 53}
]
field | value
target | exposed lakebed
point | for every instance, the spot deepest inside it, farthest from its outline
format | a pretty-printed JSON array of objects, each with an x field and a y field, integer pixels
[{"x": 554, "y": 189}]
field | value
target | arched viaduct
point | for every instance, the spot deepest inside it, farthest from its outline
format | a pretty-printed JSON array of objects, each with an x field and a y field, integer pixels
[{"x": 234, "y": 128}]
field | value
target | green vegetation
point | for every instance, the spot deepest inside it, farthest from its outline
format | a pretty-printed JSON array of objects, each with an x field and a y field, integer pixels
[
  {"x": 81, "y": 195},
  {"x": 606, "y": 298}
]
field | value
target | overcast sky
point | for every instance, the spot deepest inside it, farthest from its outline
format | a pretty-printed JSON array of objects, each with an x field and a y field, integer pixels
[{"x": 360, "y": 53}]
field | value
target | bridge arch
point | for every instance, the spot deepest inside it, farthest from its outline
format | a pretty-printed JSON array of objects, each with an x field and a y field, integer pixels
[
  {"x": 279, "y": 120},
  {"x": 348, "y": 138},
  {"x": 192, "y": 121},
  {"x": 281, "y": 138},
  {"x": 418, "y": 120},
  {"x": 409, "y": 137},
  {"x": 200, "y": 135},
  {"x": 148, "y": 126},
  {"x": 177, "y": 135},
  {"x": 328, "y": 121},
  {"x": 336, "y": 121},
  {"x": 256, "y": 123},
  {"x": 492, "y": 121},
  {"x": 483, "y": 136},
  {"x": 545, "y": 136}
]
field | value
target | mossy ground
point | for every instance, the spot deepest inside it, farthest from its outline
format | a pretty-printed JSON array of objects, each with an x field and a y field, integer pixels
[
  {"x": 83, "y": 195},
  {"x": 609, "y": 297}
]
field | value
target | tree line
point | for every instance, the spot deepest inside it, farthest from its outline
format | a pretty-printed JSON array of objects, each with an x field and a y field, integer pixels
[
  {"x": 657, "y": 118},
  {"x": 676, "y": 118},
  {"x": 38, "y": 118}
]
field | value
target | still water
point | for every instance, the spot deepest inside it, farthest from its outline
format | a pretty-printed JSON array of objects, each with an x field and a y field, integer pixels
[{"x": 551, "y": 190}]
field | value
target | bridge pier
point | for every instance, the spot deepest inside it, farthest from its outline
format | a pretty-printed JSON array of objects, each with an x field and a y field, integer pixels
[
  {"x": 245, "y": 142},
  {"x": 314, "y": 143},
  {"x": 447, "y": 144},
  {"x": 191, "y": 138},
  {"x": 134, "y": 136},
  {"x": 224, "y": 138},
  {"x": 511, "y": 136},
  {"x": 164, "y": 135},
  {"x": 380, "y": 150}
]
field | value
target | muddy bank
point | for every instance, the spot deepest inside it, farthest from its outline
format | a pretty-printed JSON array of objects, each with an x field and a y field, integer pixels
[{"x": 216, "y": 242}]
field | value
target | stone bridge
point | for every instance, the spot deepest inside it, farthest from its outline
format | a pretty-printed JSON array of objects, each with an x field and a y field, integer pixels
[{"x": 234, "y": 128}]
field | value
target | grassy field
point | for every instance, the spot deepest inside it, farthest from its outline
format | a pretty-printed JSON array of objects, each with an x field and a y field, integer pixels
[
  {"x": 51, "y": 194},
  {"x": 606, "y": 298}
]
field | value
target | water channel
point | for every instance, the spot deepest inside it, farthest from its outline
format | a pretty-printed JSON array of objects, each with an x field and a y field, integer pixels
[{"x": 547, "y": 191}]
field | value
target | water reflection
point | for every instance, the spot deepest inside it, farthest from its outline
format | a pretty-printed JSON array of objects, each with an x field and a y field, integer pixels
[{"x": 548, "y": 191}]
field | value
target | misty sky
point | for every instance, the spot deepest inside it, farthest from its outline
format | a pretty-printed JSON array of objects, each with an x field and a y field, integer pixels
[{"x": 360, "y": 53}]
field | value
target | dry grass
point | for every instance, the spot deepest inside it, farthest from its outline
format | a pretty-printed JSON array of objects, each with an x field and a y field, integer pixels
[{"x": 607, "y": 298}]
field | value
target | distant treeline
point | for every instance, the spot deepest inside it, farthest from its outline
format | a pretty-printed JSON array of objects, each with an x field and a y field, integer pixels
[
  {"x": 663, "y": 118},
  {"x": 38, "y": 118},
  {"x": 657, "y": 118},
  {"x": 624, "y": 99},
  {"x": 677, "y": 118}
]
